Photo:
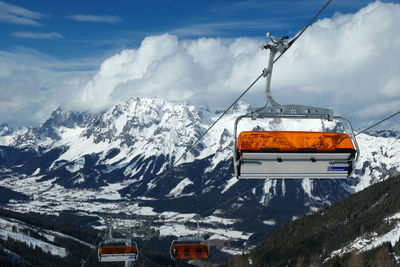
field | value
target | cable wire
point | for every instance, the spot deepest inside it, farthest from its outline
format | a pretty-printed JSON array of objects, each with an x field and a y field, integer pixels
[
  {"x": 379, "y": 122},
  {"x": 304, "y": 29},
  {"x": 95, "y": 246},
  {"x": 215, "y": 122}
]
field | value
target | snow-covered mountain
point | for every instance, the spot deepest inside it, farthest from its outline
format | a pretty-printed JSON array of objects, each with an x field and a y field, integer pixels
[{"x": 121, "y": 160}]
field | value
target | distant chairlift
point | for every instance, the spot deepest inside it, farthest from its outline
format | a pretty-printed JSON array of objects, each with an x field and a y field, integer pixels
[
  {"x": 189, "y": 248},
  {"x": 112, "y": 251},
  {"x": 117, "y": 249},
  {"x": 292, "y": 154}
]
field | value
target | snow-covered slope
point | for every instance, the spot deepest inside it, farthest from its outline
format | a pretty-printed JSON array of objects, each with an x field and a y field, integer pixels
[
  {"x": 34, "y": 237},
  {"x": 372, "y": 239}
]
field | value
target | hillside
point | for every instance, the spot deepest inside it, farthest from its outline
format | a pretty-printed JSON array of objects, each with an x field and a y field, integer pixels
[{"x": 361, "y": 230}]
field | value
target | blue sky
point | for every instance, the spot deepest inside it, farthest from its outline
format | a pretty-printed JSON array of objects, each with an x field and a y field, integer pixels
[
  {"x": 92, "y": 28},
  {"x": 90, "y": 55}
]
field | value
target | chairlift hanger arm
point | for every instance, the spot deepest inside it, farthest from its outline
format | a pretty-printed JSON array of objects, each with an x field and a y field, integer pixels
[
  {"x": 277, "y": 45},
  {"x": 280, "y": 45}
]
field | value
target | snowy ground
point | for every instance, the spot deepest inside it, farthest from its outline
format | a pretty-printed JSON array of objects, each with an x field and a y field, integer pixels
[
  {"x": 371, "y": 240},
  {"x": 52, "y": 199},
  {"x": 13, "y": 229}
]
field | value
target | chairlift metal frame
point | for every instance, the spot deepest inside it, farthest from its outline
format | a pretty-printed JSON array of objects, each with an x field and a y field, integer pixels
[{"x": 291, "y": 165}]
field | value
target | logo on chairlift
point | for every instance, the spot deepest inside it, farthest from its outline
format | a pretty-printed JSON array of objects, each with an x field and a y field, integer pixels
[{"x": 338, "y": 169}]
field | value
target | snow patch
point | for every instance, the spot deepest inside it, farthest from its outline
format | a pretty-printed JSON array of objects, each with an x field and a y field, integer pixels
[
  {"x": 179, "y": 188},
  {"x": 269, "y": 222},
  {"x": 36, "y": 172},
  {"x": 369, "y": 241},
  {"x": 46, "y": 247},
  {"x": 229, "y": 184},
  {"x": 76, "y": 166}
]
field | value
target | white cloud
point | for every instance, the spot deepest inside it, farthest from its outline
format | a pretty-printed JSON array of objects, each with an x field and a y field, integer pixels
[
  {"x": 18, "y": 15},
  {"x": 349, "y": 63},
  {"x": 37, "y": 35},
  {"x": 32, "y": 85},
  {"x": 220, "y": 29},
  {"x": 166, "y": 67},
  {"x": 379, "y": 109},
  {"x": 92, "y": 18}
]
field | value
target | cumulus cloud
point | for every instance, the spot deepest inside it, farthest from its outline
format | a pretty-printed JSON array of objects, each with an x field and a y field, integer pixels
[
  {"x": 37, "y": 35},
  {"x": 18, "y": 15},
  {"x": 33, "y": 84},
  {"x": 222, "y": 28},
  {"x": 163, "y": 66},
  {"x": 92, "y": 18},
  {"x": 349, "y": 62}
]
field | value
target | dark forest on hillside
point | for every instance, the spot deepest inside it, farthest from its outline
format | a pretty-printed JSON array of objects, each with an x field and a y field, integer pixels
[{"x": 309, "y": 240}]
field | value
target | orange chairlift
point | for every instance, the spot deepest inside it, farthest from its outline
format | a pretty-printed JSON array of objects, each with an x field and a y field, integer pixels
[
  {"x": 292, "y": 154},
  {"x": 117, "y": 249},
  {"x": 189, "y": 248}
]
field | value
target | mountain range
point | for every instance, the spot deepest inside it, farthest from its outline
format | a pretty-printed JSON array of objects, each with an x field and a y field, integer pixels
[{"x": 122, "y": 160}]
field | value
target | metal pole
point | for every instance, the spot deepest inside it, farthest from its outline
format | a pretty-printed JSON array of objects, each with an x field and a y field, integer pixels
[{"x": 272, "y": 54}]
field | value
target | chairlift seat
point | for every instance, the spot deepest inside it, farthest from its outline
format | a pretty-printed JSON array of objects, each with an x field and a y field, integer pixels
[
  {"x": 117, "y": 253},
  {"x": 189, "y": 251},
  {"x": 296, "y": 154}
]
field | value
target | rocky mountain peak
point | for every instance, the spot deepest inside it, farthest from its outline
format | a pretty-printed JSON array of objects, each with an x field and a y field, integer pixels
[
  {"x": 4, "y": 129},
  {"x": 68, "y": 119}
]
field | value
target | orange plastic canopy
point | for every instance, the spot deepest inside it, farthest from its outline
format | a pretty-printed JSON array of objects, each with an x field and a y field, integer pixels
[
  {"x": 292, "y": 141},
  {"x": 117, "y": 250},
  {"x": 190, "y": 251}
]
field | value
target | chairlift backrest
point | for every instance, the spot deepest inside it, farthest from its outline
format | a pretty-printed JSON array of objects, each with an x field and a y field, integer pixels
[
  {"x": 189, "y": 250},
  {"x": 116, "y": 252}
]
